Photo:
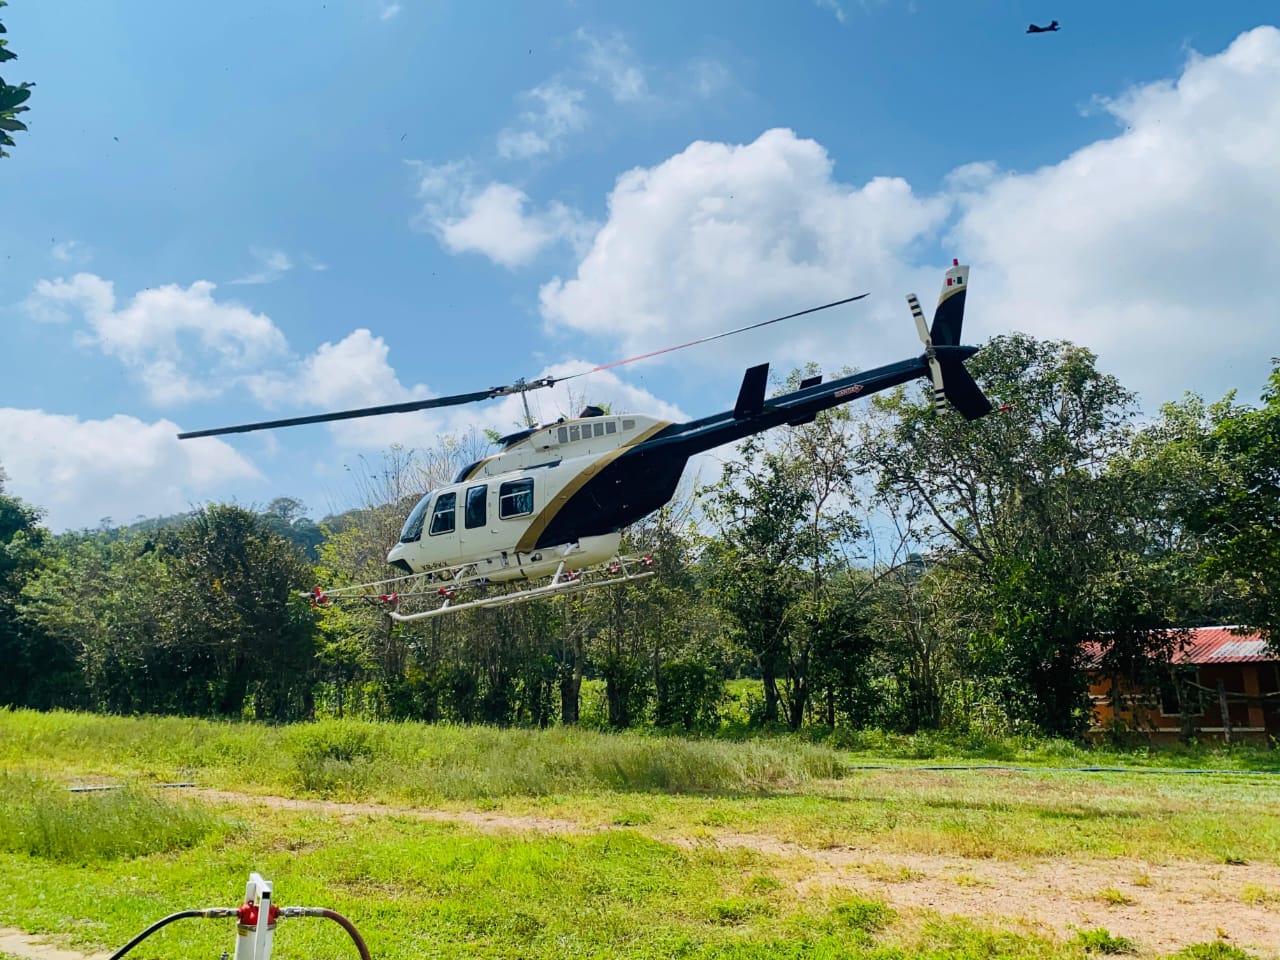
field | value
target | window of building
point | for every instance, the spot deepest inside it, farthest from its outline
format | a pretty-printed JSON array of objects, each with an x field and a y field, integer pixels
[
  {"x": 442, "y": 517},
  {"x": 1188, "y": 677},
  {"x": 475, "y": 514},
  {"x": 515, "y": 498},
  {"x": 412, "y": 531}
]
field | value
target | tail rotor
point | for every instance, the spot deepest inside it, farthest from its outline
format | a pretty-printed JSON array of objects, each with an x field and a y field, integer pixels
[{"x": 945, "y": 357}]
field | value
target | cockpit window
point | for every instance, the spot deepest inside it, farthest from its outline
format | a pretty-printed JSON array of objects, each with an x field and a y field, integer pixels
[
  {"x": 412, "y": 531},
  {"x": 442, "y": 516}
]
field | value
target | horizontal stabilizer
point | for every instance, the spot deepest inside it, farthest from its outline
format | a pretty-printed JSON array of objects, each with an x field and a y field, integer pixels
[
  {"x": 751, "y": 393},
  {"x": 805, "y": 384},
  {"x": 963, "y": 392}
]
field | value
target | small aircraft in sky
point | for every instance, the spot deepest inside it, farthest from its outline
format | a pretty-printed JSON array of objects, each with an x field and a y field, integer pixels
[
  {"x": 1051, "y": 28},
  {"x": 545, "y": 514}
]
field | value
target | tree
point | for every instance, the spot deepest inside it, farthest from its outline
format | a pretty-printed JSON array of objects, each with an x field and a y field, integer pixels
[
  {"x": 12, "y": 99},
  {"x": 784, "y": 528},
  {"x": 241, "y": 605},
  {"x": 1238, "y": 513},
  {"x": 37, "y": 672},
  {"x": 1045, "y": 538}
]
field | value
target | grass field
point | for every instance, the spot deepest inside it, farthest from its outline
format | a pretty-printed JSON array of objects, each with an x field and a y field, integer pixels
[{"x": 443, "y": 842}]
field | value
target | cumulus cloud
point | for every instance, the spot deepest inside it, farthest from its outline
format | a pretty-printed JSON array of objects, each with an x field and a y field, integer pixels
[
  {"x": 154, "y": 334},
  {"x": 493, "y": 220},
  {"x": 1155, "y": 247},
  {"x": 721, "y": 234},
  {"x": 84, "y": 470}
]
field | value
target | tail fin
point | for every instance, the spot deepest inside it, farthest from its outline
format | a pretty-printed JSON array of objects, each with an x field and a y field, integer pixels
[
  {"x": 963, "y": 391},
  {"x": 952, "y": 383},
  {"x": 948, "y": 318}
]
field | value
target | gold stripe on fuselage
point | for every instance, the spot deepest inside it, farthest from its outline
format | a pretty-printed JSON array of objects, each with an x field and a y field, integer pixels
[{"x": 540, "y": 523}]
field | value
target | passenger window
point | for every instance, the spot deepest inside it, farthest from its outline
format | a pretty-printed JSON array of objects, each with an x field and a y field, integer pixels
[
  {"x": 598, "y": 429},
  {"x": 575, "y": 432},
  {"x": 563, "y": 434},
  {"x": 475, "y": 513},
  {"x": 611, "y": 427},
  {"x": 515, "y": 498},
  {"x": 442, "y": 516}
]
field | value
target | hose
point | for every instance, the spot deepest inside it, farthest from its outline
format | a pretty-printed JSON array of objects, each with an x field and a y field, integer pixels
[
  {"x": 180, "y": 915},
  {"x": 333, "y": 915},
  {"x": 217, "y": 912}
]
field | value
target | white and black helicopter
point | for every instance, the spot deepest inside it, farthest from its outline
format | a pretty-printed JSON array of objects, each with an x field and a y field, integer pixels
[{"x": 545, "y": 514}]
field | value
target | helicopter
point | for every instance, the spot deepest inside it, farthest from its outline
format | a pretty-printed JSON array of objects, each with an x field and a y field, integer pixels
[{"x": 545, "y": 514}]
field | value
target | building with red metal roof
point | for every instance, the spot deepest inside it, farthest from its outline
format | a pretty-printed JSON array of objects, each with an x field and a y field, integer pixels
[{"x": 1221, "y": 682}]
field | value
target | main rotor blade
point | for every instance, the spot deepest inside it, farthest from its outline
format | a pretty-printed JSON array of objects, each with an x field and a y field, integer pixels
[
  {"x": 406, "y": 407},
  {"x": 518, "y": 387},
  {"x": 717, "y": 336}
]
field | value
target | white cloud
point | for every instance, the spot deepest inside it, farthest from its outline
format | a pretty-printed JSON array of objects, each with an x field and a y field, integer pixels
[
  {"x": 556, "y": 111},
  {"x": 272, "y": 264},
  {"x": 70, "y": 251},
  {"x": 834, "y": 7},
  {"x": 84, "y": 470},
  {"x": 357, "y": 372},
  {"x": 389, "y": 10},
  {"x": 155, "y": 333},
  {"x": 1155, "y": 247},
  {"x": 610, "y": 62},
  {"x": 492, "y": 220},
  {"x": 721, "y": 235}
]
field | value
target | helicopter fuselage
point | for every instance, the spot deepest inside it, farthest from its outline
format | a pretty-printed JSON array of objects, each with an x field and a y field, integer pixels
[{"x": 574, "y": 485}]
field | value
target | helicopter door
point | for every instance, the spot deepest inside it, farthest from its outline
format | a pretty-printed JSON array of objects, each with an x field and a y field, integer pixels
[{"x": 475, "y": 539}]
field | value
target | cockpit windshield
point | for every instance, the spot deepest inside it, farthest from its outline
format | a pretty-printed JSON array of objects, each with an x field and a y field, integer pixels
[{"x": 412, "y": 531}]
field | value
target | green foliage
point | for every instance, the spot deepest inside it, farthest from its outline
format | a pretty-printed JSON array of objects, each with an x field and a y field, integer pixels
[
  {"x": 1214, "y": 950},
  {"x": 1102, "y": 941},
  {"x": 1239, "y": 515},
  {"x": 197, "y": 618},
  {"x": 12, "y": 98},
  {"x": 1045, "y": 542},
  {"x": 44, "y": 819}
]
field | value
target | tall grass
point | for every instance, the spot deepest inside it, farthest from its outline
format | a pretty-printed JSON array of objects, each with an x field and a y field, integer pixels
[
  {"x": 43, "y": 819},
  {"x": 433, "y": 762},
  {"x": 411, "y": 760}
]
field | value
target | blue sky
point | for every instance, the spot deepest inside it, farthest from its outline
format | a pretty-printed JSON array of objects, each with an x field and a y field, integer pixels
[{"x": 235, "y": 213}]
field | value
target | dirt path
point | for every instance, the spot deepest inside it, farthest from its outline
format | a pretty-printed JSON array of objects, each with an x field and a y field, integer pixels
[
  {"x": 19, "y": 944},
  {"x": 1161, "y": 907}
]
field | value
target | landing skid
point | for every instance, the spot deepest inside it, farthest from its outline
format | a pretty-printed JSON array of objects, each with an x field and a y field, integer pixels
[{"x": 448, "y": 588}]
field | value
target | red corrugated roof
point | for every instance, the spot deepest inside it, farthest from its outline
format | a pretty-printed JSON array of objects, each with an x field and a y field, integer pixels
[
  {"x": 1222, "y": 645},
  {"x": 1209, "y": 645}
]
